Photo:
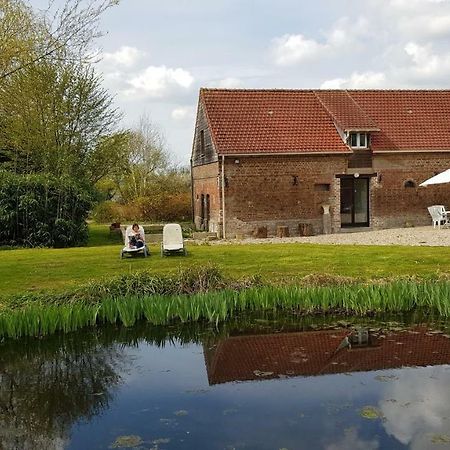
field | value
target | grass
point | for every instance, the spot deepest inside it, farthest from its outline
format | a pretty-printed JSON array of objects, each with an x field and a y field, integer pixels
[
  {"x": 57, "y": 270},
  {"x": 42, "y": 318},
  {"x": 49, "y": 290}
]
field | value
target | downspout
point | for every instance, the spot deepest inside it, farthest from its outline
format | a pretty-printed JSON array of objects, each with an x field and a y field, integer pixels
[
  {"x": 192, "y": 196},
  {"x": 223, "y": 197}
]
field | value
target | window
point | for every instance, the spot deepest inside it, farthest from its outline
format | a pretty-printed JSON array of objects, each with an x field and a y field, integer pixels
[{"x": 358, "y": 140}]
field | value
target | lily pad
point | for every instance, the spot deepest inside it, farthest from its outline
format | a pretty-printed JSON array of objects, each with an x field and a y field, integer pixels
[
  {"x": 371, "y": 413},
  {"x": 130, "y": 441},
  {"x": 440, "y": 439}
]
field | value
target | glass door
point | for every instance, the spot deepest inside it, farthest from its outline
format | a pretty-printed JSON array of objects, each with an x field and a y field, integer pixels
[{"x": 354, "y": 202}]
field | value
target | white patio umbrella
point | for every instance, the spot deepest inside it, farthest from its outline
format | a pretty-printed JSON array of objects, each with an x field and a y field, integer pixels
[{"x": 440, "y": 178}]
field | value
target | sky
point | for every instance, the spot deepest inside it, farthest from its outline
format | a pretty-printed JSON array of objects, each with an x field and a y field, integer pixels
[{"x": 157, "y": 54}]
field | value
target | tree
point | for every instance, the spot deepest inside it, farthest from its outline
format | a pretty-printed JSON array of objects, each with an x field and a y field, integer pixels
[
  {"x": 48, "y": 385},
  {"x": 17, "y": 35},
  {"x": 56, "y": 118},
  {"x": 148, "y": 158},
  {"x": 64, "y": 34}
]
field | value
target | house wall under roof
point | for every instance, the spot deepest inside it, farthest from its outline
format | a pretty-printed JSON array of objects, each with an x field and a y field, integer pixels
[{"x": 276, "y": 158}]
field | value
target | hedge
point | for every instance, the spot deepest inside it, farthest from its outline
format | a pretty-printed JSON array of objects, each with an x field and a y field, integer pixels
[{"x": 39, "y": 210}]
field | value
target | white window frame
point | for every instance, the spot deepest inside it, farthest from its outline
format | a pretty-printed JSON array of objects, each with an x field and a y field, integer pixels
[{"x": 358, "y": 139}]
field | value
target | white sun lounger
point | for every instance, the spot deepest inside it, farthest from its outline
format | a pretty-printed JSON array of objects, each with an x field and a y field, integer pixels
[
  {"x": 127, "y": 250},
  {"x": 173, "y": 241}
]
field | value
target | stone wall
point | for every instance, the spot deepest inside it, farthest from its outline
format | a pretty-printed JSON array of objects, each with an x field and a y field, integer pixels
[{"x": 281, "y": 190}]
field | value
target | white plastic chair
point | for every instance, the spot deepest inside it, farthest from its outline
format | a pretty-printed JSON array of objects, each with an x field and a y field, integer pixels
[
  {"x": 129, "y": 250},
  {"x": 438, "y": 216},
  {"x": 173, "y": 241}
]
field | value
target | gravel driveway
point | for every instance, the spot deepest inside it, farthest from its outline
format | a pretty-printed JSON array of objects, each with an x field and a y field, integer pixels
[{"x": 419, "y": 236}]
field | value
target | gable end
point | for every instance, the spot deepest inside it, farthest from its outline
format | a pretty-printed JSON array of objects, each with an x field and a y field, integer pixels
[{"x": 203, "y": 150}]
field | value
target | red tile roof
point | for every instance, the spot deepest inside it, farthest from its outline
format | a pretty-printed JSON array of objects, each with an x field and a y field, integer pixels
[
  {"x": 241, "y": 358},
  {"x": 269, "y": 122},
  {"x": 408, "y": 120},
  {"x": 344, "y": 111},
  {"x": 300, "y": 121}
]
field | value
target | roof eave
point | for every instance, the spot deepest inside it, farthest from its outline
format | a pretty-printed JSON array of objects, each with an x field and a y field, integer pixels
[
  {"x": 429, "y": 150},
  {"x": 293, "y": 153},
  {"x": 361, "y": 129}
]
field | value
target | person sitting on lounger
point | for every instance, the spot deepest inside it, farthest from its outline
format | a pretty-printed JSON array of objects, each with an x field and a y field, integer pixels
[{"x": 136, "y": 239}]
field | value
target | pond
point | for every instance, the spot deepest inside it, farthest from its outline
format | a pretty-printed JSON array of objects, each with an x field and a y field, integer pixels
[{"x": 254, "y": 383}]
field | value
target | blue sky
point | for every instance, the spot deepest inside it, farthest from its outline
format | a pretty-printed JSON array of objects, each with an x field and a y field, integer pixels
[{"x": 157, "y": 54}]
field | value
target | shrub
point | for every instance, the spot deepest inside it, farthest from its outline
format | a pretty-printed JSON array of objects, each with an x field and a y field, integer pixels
[
  {"x": 156, "y": 208},
  {"x": 108, "y": 212},
  {"x": 38, "y": 210}
]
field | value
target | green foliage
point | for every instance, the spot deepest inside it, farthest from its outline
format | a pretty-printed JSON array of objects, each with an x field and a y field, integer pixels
[
  {"x": 109, "y": 212},
  {"x": 59, "y": 34},
  {"x": 148, "y": 188},
  {"x": 37, "y": 210},
  {"x": 18, "y": 41},
  {"x": 202, "y": 293},
  {"x": 57, "y": 119}
]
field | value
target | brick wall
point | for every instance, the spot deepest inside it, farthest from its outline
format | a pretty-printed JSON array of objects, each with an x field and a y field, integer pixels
[
  {"x": 288, "y": 190},
  {"x": 280, "y": 190},
  {"x": 393, "y": 204},
  {"x": 206, "y": 182}
]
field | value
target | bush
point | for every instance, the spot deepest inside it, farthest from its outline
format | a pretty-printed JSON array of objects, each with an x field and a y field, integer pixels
[
  {"x": 156, "y": 208},
  {"x": 38, "y": 210},
  {"x": 108, "y": 212},
  {"x": 163, "y": 207}
]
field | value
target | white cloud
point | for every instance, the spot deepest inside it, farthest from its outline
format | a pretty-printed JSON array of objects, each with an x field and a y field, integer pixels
[
  {"x": 159, "y": 81},
  {"x": 294, "y": 48},
  {"x": 365, "y": 80},
  {"x": 426, "y": 25},
  {"x": 413, "y": 4},
  {"x": 414, "y": 415},
  {"x": 352, "y": 441},
  {"x": 230, "y": 82},
  {"x": 412, "y": 19},
  {"x": 427, "y": 64},
  {"x": 124, "y": 56},
  {"x": 346, "y": 32},
  {"x": 182, "y": 112}
]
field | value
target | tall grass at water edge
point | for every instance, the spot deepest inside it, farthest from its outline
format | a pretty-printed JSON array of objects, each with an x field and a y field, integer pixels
[{"x": 218, "y": 301}]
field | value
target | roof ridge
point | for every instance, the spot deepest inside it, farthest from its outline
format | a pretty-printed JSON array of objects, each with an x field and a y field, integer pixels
[{"x": 321, "y": 90}]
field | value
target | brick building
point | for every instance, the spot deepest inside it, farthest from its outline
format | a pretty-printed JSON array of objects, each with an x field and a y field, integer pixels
[
  {"x": 313, "y": 353},
  {"x": 330, "y": 159}
]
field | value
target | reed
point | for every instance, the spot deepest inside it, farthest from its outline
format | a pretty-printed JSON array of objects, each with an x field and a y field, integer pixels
[{"x": 217, "y": 301}]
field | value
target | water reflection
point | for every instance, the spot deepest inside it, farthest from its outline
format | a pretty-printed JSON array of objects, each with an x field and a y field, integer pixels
[
  {"x": 311, "y": 353},
  {"x": 416, "y": 407},
  {"x": 254, "y": 383},
  {"x": 48, "y": 385}
]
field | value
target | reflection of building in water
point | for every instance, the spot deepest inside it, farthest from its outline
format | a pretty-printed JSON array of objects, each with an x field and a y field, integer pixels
[{"x": 240, "y": 358}]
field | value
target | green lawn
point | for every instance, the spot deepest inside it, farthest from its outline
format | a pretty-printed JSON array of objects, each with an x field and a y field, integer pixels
[{"x": 27, "y": 270}]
